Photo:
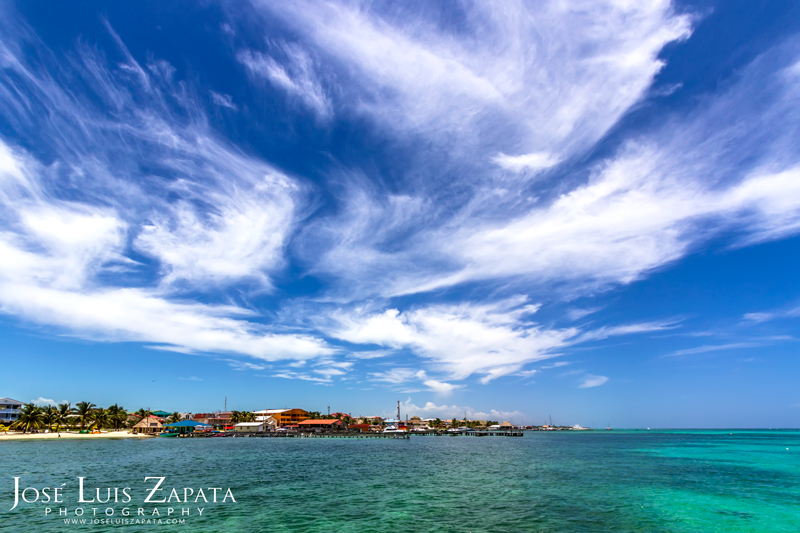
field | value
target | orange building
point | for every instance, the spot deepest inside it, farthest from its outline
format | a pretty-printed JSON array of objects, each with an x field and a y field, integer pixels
[{"x": 285, "y": 417}]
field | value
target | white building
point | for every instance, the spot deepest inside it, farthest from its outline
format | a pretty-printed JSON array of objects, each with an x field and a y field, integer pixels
[
  {"x": 9, "y": 410},
  {"x": 269, "y": 424}
]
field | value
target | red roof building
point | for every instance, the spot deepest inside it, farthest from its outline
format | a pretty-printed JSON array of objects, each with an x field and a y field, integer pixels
[{"x": 334, "y": 423}]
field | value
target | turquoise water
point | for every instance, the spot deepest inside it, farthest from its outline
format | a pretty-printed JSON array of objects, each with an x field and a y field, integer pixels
[{"x": 660, "y": 481}]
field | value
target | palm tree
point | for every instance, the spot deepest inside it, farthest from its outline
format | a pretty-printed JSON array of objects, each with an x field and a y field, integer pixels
[
  {"x": 30, "y": 417},
  {"x": 236, "y": 417},
  {"x": 49, "y": 416},
  {"x": 174, "y": 417},
  {"x": 99, "y": 418},
  {"x": 116, "y": 415},
  {"x": 143, "y": 413},
  {"x": 84, "y": 411},
  {"x": 65, "y": 412}
]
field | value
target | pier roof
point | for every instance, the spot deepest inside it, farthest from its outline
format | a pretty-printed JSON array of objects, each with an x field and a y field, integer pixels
[{"x": 187, "y": 424}]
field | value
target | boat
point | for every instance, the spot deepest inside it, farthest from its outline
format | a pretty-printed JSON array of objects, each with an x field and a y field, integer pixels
[
  {"x": 169, "y": 434},
  {"x": 394, "y": 429}
]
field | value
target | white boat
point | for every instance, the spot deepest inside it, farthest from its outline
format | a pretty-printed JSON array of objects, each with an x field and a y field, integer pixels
[{"x": 393, "y": 429}]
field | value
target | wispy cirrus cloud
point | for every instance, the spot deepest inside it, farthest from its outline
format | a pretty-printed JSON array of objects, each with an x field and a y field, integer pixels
[
  {"x": 521, "y": 79},
  {"x": 591, "y": 380},
  {"x": 223, "y": 100},
  {"x": 297, "y": 77},
  {"x": 69, "y": 228},
  {"x": 707, "y": 348},
  {"x": 656, "y": 199}
]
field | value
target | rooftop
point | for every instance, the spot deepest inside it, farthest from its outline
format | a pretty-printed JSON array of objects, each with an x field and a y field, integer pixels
[
  {"x": 10, "y": 400},
  {"x": 325, "y": 422},
  {"x": 187, "y": 424}
]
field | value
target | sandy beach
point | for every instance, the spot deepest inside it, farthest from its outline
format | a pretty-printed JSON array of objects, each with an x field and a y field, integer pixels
[{"x": 49, "y": 436}]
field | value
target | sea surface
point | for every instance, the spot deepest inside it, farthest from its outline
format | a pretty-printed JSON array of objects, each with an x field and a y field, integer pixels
[{"x": 660, "y": 481}]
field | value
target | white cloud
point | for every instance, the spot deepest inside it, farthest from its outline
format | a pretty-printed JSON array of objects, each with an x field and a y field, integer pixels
[
  {"x": 534, "y": 161},
  {"x": 397, "y": 375},
  {"x": 223, "y": 100},
  {"x": 58, "y": 257},
  {"x": 557, "y": 364},
  {"x": 240, "y": 234},
  {"x": 626, "y": 329},
  {"x": 370, "y": 354},
  {"x": 549, "y": 78},
  {"x": 446, "y": 412},
  {"x": 592, "y": 381},
  {"x": 656, "y": 200},
  {"x": 791, "y": 312},
  {"x": 44, "y": 401},
  {"x": 717, "y": 347},
  {"x": 302, "y": 376},
  {"x": 297, "y": 77},
  {"x": 244, "y": 365},
  {"x": 460, "y": 340},
  {"x": 440, "y": 387}
]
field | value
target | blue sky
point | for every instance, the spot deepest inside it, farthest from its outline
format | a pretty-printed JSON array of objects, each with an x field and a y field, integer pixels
[{"x": 588, "y": 210}]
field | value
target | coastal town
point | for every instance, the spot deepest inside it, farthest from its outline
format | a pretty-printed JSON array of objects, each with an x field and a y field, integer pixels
[{"x": 86, "y": 418}]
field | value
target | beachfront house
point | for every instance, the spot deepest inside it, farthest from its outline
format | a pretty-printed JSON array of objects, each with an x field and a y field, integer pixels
[
  {"x": 149, "y": 426},
  {"x": 9, "y": 410},
  {"x": 284, "y": 417},
  {"x": 319, "y": 425},
  {"x": 256, "y": 427}
]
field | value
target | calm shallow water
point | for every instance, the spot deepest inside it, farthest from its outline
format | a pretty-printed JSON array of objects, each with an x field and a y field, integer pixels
[{"x": 661, "y": 481}]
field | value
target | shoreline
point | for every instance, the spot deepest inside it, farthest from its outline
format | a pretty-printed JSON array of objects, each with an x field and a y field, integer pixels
[{"x": 73, "y": 436}]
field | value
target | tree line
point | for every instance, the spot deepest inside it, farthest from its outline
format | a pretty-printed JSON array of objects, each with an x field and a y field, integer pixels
[{"x": 84, "y": 415}]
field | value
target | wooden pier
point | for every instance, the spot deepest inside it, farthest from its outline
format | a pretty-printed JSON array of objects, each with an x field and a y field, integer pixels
[
  {"x": 356, "y": 435},
  {"x": 470, "y": 434}
]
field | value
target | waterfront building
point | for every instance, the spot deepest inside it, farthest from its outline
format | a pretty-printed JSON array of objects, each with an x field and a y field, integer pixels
[
  {"x": 9, "y": 410},
  {"x": 361, "y": 428},
  {"x": 256, "y": 427},
  {"x": 284, "y": 417},
  {"x": 218, "y": 420},
  {"x": 185, "y": 426},
  {"x": 221, "y": 420},
  {"x": 160, "y": 414},
  {"x": 149, "y": 426},
  {"x": 333, "y": 423}
]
